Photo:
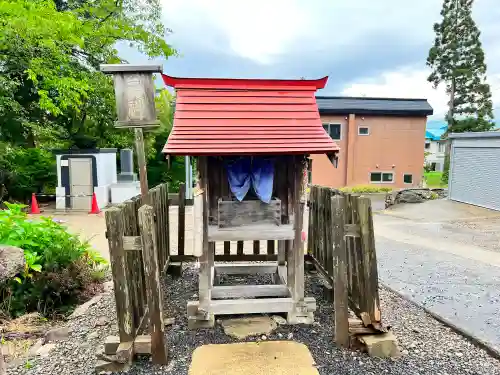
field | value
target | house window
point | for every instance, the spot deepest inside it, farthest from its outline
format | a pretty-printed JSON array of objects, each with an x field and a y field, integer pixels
[
  {"x": 363, "y": 130},
  {"x": 441, "y": 147},
  {"x": 427, "y": 145},
  {"x": 408, "y": 178},
  {"x": 382, "y": 177},
  {"x": 333, "y": 130}
]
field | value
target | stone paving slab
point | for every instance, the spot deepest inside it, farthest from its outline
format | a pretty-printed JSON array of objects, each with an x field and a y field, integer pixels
[{"x": 253, "y": 358}]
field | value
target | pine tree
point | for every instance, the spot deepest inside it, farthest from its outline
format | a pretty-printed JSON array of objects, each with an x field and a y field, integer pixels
[{"x": 457, "y": 60}]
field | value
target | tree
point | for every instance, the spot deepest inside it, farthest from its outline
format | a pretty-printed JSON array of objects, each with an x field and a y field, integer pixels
[
  {"x": 457, "y": 61},
  {"x": 52, "y": 92}
]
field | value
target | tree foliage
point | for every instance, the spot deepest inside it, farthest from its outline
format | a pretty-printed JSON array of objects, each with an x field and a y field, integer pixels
[
  {"x": 52, "y": 94},
  {"x": 457, "y": 60}
]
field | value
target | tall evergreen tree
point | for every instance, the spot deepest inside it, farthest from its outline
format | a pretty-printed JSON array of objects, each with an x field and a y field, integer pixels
[{"x": 457, "y": 60}]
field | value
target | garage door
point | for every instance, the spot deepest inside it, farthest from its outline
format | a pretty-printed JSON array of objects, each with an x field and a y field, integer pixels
[{"x": 475, "y": 176}]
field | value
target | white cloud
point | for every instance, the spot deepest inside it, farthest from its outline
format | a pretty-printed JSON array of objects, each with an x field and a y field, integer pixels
[
  {"x": 408, "y": 83},
  {"x": 259, "y": 30}
]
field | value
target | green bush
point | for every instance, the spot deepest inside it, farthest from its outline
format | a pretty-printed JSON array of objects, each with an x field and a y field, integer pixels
[
  {"x": 60, "y": 271},
  {"x": 366, "y": 189},
  {"x": 24, "y": 171}
]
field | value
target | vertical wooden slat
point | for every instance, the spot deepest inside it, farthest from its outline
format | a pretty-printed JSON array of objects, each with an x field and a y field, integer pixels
[
  {"x": 239, "y": 248},
  {"x": 295, "y": 261},
  {"x": 359, "y": 277},
  {"x": 369, "y": 259},
  {"x": 310, "y": 223},
  {"x": 256, "y": 247},
  {"x": 153, "y": 288},
  {"x": 270, "y": 247},
  {"x": 340, "y": 272},
  {"x": 227, "y": 247},
  {"x": 207, "y": 257},
  {"x": 132, "y": 260},
  {"x": 181, "y": 220},
  {"x": 166, "y": 212},
  {"x": 115, "y": 231}
]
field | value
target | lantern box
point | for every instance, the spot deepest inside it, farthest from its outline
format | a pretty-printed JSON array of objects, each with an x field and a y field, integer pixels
[{"x": 135, "y": 94}]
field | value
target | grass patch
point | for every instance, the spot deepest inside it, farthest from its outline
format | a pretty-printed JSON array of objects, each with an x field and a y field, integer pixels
[{"x": 433, "y": 179}]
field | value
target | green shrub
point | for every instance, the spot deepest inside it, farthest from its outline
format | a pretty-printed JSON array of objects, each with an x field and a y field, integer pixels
[
  {"x": 366, "y": 189},
  {"x": 24, "y": 171},
  {"x": 60, "y": 269}
]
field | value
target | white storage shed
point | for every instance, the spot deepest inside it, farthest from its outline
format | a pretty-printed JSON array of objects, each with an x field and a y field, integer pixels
[{"x": 475, "y": 169}]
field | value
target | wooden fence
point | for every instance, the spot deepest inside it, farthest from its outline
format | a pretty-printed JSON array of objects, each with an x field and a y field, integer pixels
[
  {"x": 342, "y": 246},
  {"x": 138, "y": 237}
]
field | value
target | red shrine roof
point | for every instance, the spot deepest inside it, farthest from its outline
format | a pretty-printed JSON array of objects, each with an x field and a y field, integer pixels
[{"x": 246, "y": 117}]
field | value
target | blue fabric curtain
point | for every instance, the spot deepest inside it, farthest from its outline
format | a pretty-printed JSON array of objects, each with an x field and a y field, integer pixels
[{"x": 257, "y": 172}]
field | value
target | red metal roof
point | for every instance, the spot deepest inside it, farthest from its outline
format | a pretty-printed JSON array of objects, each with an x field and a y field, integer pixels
[{"x": 243, "y": 116}]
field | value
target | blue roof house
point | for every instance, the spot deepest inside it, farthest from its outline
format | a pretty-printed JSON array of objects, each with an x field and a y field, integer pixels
[{"x": 435, "y": 145}]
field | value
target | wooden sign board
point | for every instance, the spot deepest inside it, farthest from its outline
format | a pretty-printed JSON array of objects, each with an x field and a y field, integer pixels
[{"x": 135, "y": 94}]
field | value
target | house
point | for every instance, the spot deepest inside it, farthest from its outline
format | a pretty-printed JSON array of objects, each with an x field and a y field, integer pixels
[
  {"x": 435, "y": 145},
  {"x": 380, "y": 141},
  {"x": 474, "y": 174}
]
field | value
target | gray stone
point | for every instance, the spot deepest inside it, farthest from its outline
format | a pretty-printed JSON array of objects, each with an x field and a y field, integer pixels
[
  {"x": 383, "y": 345},
  {"x": 101, "y": 321},
  {"x": 244, "y": 327},
  {"x": 279, "y": 320},
  {"x": 11, "y": 261},
  {"x": 168, "y": 321},
  {"x": 109, "y": 367},
  {"x": 45, "y": 350},
  {"x": 92, "y": 335},
  {"x": 57, "y": 334},
  {"x": 409, "y": 196}
]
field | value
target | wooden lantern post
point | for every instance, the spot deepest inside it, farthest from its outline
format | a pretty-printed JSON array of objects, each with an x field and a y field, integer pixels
[{"x": 135, "y": 105}]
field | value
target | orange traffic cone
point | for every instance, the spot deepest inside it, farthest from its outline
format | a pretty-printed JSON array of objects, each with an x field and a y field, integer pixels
[
  {"x": 34, "y": 209},
  {"x": 94, "y": 209}
]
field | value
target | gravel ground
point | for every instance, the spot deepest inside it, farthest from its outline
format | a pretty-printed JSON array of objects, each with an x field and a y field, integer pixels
[{"x": 427, "y": 346}]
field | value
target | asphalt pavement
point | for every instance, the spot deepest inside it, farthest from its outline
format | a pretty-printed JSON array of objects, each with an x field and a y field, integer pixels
[{"x": 448, "y": 264}]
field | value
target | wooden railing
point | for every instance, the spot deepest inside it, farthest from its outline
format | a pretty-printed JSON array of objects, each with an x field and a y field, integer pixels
[
  {"x": 342, "y": 245},
  {"x": 138, "y": 237}
]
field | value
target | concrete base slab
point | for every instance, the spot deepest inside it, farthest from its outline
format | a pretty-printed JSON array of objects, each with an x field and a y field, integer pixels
[
  {"x": 253, "y": 358},
  {"x": 241, "y": 328}
]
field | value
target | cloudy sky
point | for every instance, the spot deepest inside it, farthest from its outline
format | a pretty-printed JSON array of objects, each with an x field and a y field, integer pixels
[{"x": 366, "y": 47}]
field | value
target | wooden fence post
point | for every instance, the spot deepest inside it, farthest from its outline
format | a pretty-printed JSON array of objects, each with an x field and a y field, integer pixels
[
  {"x": 368, "y": 259},
  {"x": 153, "y": 289},
  {"x": 124, "y": 310},
  {"x": 338, "y": 208},
  {"x": 182, "y": 220}
]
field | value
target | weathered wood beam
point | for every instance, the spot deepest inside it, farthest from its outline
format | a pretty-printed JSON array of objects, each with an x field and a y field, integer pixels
[
  {"x": 246, "y": 268},
  {"x": 341, "y": 299},
  {"x": 249, "y": 291},
  {"x": 257, "y": 306},
  {"x": 153, "y": 289}
]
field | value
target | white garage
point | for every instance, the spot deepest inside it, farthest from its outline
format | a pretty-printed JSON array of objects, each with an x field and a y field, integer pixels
[{"x": 475, "y": 169}]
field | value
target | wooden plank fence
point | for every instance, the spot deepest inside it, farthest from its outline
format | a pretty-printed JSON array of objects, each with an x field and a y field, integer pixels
[
  {"x": 139, "y": 246},
  {"x": 341, "y": 244}
]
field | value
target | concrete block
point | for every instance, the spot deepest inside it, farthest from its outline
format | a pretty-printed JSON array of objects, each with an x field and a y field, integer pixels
[{"x": 383, "y": 345}]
